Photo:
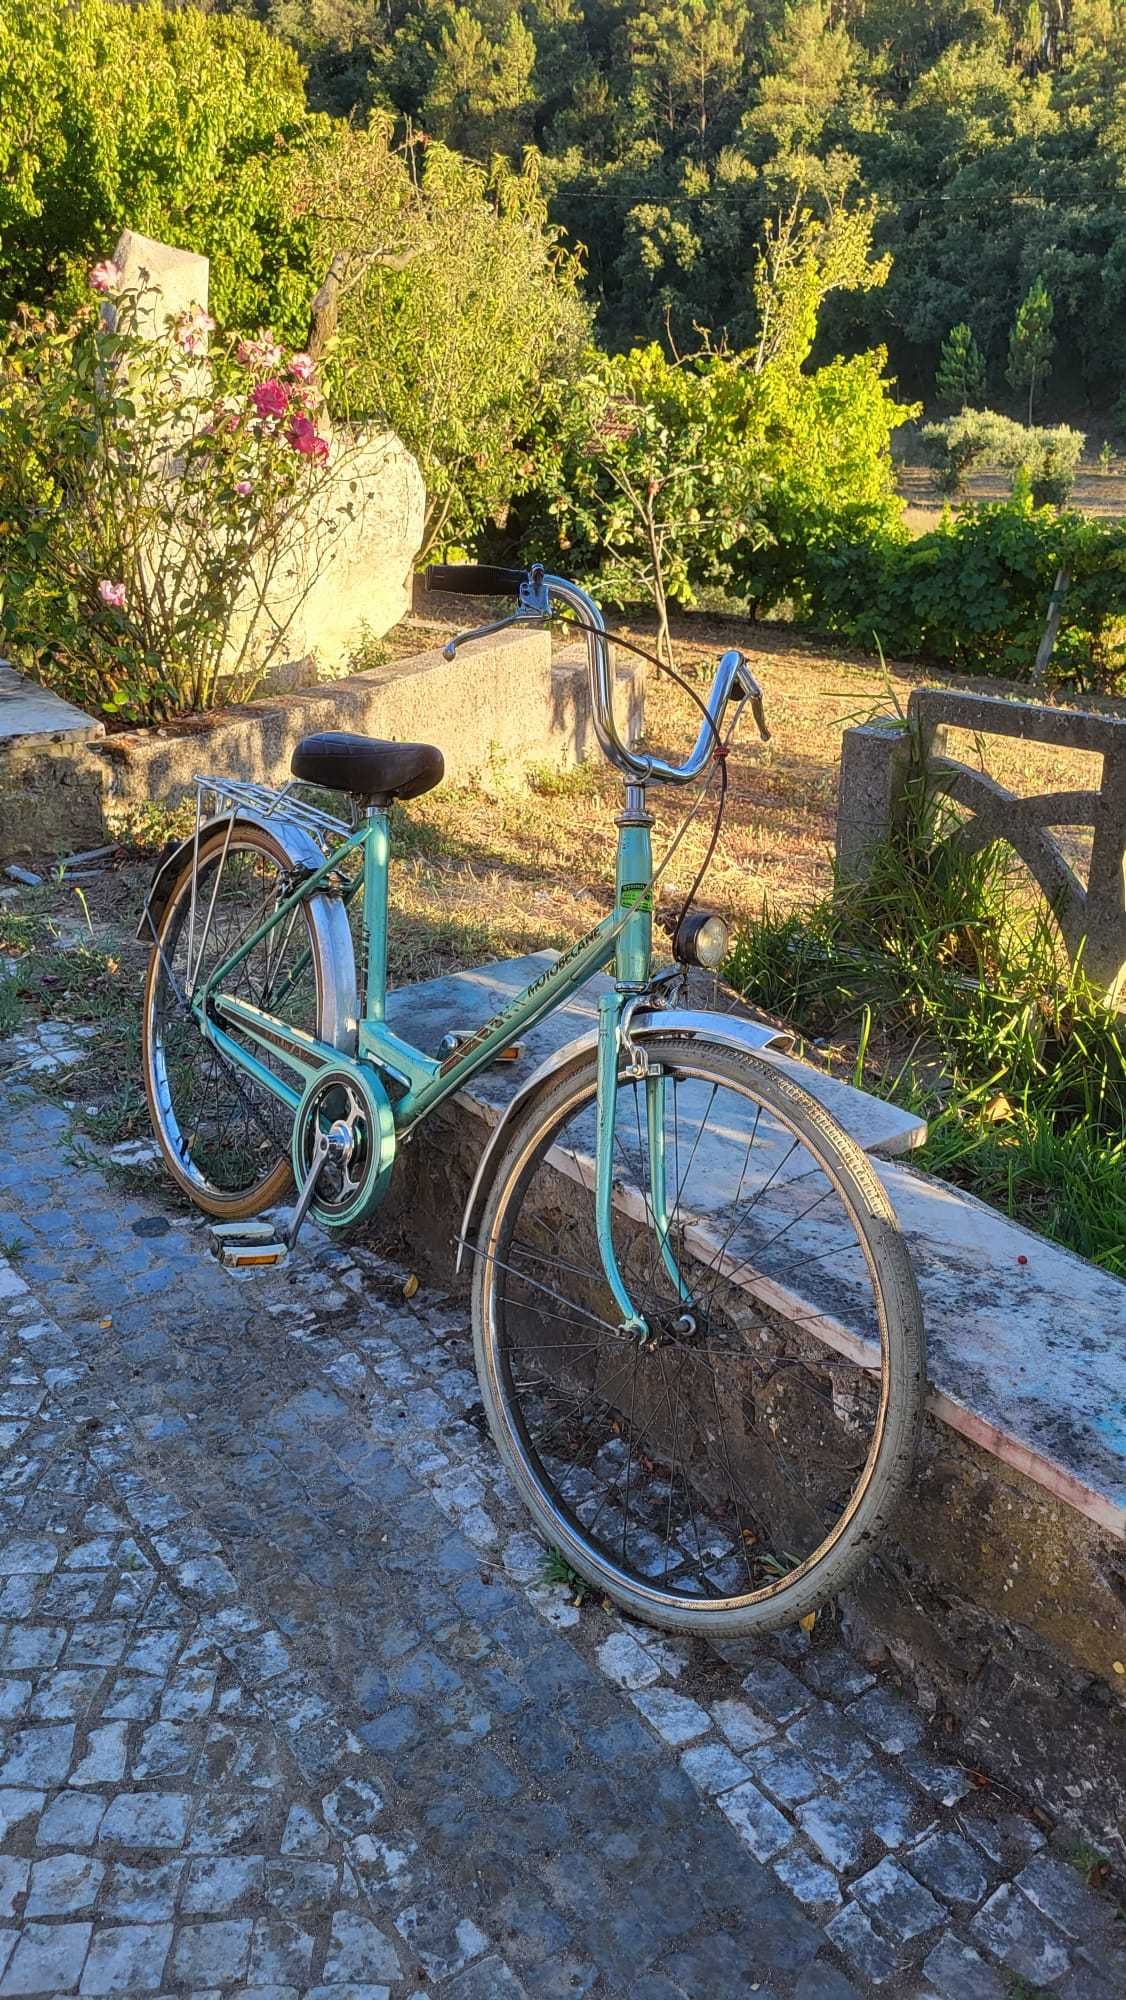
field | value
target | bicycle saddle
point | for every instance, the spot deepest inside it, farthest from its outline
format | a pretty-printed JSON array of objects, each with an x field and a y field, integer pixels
[{"x": 367, "y": 767}]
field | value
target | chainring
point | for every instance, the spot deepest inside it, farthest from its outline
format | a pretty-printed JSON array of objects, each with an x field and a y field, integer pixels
[{"x": 354, "y": 1179}]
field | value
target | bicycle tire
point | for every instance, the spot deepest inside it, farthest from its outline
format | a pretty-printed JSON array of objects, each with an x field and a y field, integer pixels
[{"x": 888, "y": 1467}]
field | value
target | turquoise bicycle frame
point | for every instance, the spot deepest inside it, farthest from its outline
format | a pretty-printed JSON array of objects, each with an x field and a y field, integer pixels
[{"x": 623, "y": 940}]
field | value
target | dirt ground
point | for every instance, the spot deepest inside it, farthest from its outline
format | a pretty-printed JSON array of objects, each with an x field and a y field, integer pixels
[{"x": 1099, "y": 493}]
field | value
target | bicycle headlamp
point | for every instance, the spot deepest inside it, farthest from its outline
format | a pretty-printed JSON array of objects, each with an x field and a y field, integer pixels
[{"x": 701, "y": 938}]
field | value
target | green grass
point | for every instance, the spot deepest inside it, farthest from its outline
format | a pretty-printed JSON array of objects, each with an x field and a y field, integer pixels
[
  {"x": 1018, "y": 1988},
  {"x": 11, "y": 1007},
  {"x": 1013, "y": 1056},
  {"x": 556, "y": 1569}
]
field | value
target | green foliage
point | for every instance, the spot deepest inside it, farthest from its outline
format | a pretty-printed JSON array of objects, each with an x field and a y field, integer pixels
[
  {"x": 1032, "y": 342},
  {"x": 465, "y": 348},
  {"x": 973, "y": 593},
  {"x": 716, "y": 470},
  {"x": 992, "y": 138},
  {"x": 1017, "y": 1062},
  {"x": 177, "y": 123},
  {"x": 1046, "y": 459},
  {"x": 149, "y": 504},
  {"x": 480, "y": 94},
  {"x": 706, "y": 474},
  {"x": 960, "y": 375}
]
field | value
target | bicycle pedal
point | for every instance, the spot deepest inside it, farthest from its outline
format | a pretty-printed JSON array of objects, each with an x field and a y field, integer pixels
[{"x": 247, "y": 1246}]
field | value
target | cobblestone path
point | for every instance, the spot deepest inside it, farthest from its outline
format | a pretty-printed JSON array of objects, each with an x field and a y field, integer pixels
[{"x": 286, "y": 1707}]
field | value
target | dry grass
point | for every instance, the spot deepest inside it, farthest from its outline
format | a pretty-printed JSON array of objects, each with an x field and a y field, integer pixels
[
  {"x": 505, "y": 871},
  {"x": 499, "y": 870}
]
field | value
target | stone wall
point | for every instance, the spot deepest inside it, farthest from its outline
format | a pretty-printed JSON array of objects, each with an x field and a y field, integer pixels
[
  {"x": 502, "y": 706},
  {"x": 879, "y": 758}
]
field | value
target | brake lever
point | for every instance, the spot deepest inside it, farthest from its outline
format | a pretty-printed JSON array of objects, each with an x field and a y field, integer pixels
[
  {"x": 744, "y": 687},
  {"x": 521, "y": 617}
]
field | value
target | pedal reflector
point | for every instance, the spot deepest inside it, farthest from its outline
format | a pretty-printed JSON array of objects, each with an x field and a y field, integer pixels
[{"x": 248, "y": 1246}]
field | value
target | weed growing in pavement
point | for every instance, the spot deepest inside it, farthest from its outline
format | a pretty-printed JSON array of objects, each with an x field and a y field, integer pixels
[
  {"x": 1018, "y": 1988},
  {"x": 11, "y": 1009},
  {"x": 556, "y": 1569},
  {"x": 13, "y": 1249}
]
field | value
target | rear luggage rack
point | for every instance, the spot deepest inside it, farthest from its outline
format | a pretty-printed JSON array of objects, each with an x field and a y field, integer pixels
[{"x": 231, "y": 795}]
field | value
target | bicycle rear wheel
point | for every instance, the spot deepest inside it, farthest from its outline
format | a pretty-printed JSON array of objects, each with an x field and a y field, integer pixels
[
  {"x": 225, "y": 1138},
  {"x": 733, "y": 1469}
]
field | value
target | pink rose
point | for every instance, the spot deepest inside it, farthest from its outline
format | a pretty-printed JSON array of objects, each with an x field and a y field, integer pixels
[
  {"x": 303, "y": 436},
  {"x": 192, "y": 329},
  {"x": 302, "y": 367},
  {"x": 112, "y": 594},
  {"x": 106, "y": 276},
  {"x": 244, "y": 488},
  {"x": 270, "y": 399},
  {"x": 260, "y": 353}
]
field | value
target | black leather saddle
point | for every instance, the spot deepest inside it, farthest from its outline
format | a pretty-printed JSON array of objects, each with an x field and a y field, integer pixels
[{"x": 366, "y": 767}]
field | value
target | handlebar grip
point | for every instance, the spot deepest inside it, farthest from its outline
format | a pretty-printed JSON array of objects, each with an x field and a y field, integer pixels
[{"x": 475, "y": 579}]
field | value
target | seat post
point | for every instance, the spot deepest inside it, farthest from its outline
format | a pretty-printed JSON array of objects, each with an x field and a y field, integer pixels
[{"x": 373, "y": 931}]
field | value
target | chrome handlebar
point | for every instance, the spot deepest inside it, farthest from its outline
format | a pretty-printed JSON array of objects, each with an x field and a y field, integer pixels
[{"x": 734, "y": 681}]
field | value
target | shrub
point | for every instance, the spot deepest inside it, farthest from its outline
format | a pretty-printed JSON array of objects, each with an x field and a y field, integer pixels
[
  {"x": 974, "y": 592},
  {"x": 1046, "y": 458},
  {"x": 730, "y": 471},
  {"x": 149, "y": 503}
]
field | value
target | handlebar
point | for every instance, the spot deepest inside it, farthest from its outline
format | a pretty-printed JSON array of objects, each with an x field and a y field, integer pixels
[
  {"x": 475, "y": 579},
  {"x": 536, "y": 589}
]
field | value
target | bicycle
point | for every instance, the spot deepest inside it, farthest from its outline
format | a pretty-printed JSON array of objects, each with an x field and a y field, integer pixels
[{"x": 696, "y": 1325}]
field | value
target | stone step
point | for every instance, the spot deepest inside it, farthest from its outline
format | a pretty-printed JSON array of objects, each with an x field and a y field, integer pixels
[
  {"x": 26, "y": 709},
  {"x": 425, "y": 1012}
]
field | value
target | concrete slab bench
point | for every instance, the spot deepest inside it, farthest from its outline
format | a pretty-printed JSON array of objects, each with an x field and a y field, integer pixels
[
  {"x": 1007, "y": 1588},
  {"x": 49, "y": 790}
]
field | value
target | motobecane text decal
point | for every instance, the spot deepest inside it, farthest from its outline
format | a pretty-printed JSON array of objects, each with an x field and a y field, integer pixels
[{"x": 516, "y": 1008}]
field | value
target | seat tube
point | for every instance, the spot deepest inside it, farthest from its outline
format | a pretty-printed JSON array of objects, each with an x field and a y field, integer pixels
[{"x": 377, "y": 853}]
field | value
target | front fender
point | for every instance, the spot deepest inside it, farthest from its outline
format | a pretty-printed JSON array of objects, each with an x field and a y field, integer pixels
[{"x": 731, "y": 1030}]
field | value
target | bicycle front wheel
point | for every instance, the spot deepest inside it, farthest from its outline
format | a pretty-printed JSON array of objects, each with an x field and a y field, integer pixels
[{"x": 733, "y": 1467}]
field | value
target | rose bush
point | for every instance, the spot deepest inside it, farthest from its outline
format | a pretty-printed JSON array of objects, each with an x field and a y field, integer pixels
[{"x": 150, "y": 499}]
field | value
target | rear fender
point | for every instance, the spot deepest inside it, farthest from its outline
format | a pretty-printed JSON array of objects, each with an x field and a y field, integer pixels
[
  {"x": 326, "y": 914},
  {"x": 757, "y": 1037}
]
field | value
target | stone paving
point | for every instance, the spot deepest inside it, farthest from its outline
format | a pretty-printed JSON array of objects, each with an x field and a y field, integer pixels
[{"x": 286, "y": 1706}]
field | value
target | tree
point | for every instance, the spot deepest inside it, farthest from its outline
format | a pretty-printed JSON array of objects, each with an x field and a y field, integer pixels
[
  {"x": 461, "y": 346},
  {"x": 810, "y": 68},
  {"x": 480, "y": 98},
  {"x": 960, "y": 376},
  {"x": 180, "y": 124},
  {"x": 802, "y": 260},
  {"x": 688, "y": 56},
  {"x": 1032, "y": 342}
]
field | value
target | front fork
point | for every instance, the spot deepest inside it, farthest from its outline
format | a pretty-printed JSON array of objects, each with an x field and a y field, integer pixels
[{"x": 633, "y": 966}]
